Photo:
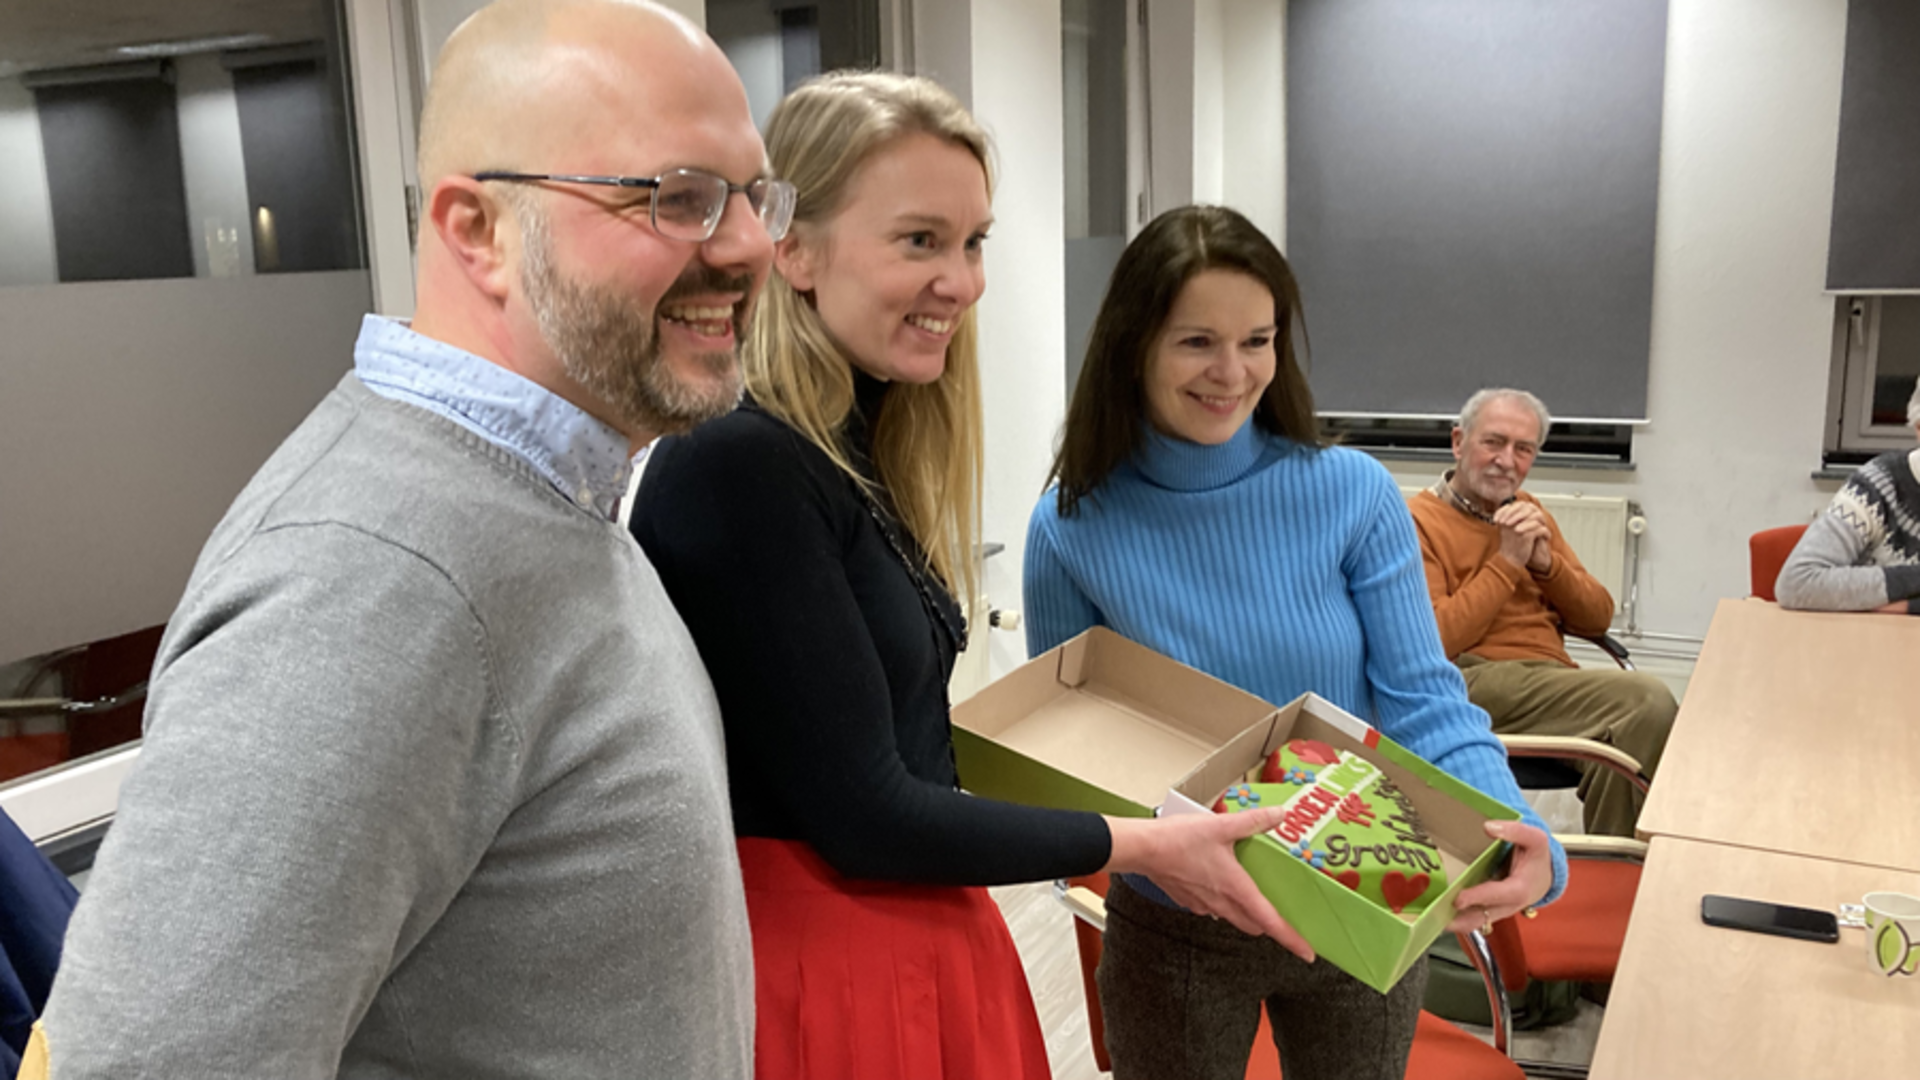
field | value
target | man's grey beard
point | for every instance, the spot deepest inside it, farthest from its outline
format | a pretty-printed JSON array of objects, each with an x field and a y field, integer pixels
[{"x": 608, "y": 345}]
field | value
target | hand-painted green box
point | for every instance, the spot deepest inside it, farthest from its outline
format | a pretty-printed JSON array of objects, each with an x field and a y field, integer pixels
[{"x": 1104, "y": 724}]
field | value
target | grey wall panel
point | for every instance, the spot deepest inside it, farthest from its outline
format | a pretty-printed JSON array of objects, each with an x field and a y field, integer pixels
[
  {"x": 131, "y": 414},
  {"x": 1090, "y": 263},
  {"x": 1875, "y": 242},
  {"x": 1471, "y": 196}
]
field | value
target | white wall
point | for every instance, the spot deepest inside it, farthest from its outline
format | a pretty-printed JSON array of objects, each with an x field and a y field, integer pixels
[
  {"x": 26, "y": 209},
  {"x": 1741, "y": 329},
  {"x": 1218, "y": 107},
  {"x": 436, "y": 22},
  {"x": 692, "y": 9},
  {"x": 749, "y": 32},
  {"x": 1740, "y": 345},
  {"x": 1209, "y": 101},
  {"x": 1017, "y": 86},
  {"x": 943, "y": 46},
  {"x": 214, "y": 167},
  {"x": 1253, "y": 124},
  {"x": 1171, "y": 50},
  {"x": 1074, "y": 69}
]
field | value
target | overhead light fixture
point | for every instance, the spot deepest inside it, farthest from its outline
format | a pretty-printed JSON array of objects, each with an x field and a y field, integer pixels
[
  {"x": 124, "y": 71},
  {"x": 194, "y": 45}
]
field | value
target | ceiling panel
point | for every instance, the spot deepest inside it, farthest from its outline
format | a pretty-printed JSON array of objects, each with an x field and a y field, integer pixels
[{"x": 46, "y": 33}]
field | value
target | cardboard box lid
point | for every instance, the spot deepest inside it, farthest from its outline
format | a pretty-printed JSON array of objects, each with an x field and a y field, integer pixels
[{"x": 1114, "y": 714}]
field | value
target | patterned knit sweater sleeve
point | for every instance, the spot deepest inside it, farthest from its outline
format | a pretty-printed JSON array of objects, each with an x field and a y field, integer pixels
[
  {"x": 1863, "y": 551},
  {"x": 1420, "y": 698}
]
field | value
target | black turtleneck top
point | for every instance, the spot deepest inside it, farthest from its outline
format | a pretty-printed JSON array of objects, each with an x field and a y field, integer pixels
[{"x": 830, "y": 665}]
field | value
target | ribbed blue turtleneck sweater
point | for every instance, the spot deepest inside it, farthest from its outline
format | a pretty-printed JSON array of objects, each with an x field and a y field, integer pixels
[{"x": 1278, "y": 569}]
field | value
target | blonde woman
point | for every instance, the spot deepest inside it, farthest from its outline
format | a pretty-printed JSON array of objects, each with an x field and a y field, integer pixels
[{"x": 814, "y": 541}]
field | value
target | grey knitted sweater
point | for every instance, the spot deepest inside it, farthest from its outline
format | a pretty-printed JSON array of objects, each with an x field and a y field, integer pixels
[
  {"x": 1863, "y": 551},
  {"x": 432, "y": 786}
]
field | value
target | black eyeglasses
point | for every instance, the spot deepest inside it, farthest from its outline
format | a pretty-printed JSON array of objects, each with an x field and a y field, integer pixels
[{"x": 687, "y": 204}]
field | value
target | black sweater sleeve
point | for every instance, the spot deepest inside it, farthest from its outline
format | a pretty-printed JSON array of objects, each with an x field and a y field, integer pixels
[{"x": 828, "y": 671}]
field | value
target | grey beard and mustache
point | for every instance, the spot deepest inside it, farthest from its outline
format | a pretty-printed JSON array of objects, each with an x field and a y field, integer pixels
[{"x": 608, "y": 345}]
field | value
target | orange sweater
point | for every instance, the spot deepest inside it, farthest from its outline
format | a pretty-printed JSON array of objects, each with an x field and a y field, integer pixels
[{"x": 1489, "y": 607}]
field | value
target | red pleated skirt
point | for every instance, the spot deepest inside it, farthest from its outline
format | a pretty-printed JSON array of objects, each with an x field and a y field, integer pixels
[{"x": 870, "y": 980}]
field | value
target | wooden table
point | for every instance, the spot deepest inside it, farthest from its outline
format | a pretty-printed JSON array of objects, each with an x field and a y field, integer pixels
[
  {"x": 1692, "y": 1000},
  {"x": 1800, "y": 733}
]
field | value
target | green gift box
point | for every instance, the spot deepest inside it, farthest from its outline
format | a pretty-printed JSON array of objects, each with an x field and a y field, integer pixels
[{"x": 1104, "y": 724}]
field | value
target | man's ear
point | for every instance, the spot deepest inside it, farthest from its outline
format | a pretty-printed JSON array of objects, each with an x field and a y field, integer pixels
[
  {"x": 1459, "y": 440},
  {"x": 472, "y": 228},
  {"x": 795, "y": 261}
]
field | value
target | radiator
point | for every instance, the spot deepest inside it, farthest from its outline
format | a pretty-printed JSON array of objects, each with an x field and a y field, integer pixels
[{"x": 1595, "y": 527}]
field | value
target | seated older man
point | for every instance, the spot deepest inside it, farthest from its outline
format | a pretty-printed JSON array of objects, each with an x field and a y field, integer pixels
[
  {"x": 1863, "y": 552},
  {"x": 1505, "y": 587}
]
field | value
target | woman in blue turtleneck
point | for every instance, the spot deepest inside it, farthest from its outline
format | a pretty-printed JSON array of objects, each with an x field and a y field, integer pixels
[{"x": 1196, "y": 513}]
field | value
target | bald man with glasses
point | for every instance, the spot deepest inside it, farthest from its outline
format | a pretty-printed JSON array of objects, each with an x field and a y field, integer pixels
[{"x": 433, "y": 782}]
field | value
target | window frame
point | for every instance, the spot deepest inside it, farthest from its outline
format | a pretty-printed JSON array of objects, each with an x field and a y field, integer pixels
[{"x": 1851, "y": 435}]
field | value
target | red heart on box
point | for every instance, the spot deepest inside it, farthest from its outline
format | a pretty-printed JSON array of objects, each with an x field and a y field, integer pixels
[
  {"x": 1399, "y": 890},
  {"x": 1313, "y": 751},
  {"x": 1271, "y": 772},
  {"x": 1349, "y": 878}
]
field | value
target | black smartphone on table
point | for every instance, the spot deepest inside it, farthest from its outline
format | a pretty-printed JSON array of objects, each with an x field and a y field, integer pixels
[{"x": 1762, "y": 917}]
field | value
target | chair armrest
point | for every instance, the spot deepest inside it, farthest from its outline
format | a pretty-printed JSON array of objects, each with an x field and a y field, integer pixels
[
  {"x": 1088, "y": 906},
  {"x": 1588, "y": 846},
  {"x": 1610, "y": 645},
  {"x": 63, "y": 706},
  {"x": 1568, "y": 748}
]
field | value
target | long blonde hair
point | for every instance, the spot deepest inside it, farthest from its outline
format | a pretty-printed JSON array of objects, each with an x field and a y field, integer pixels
[{"x": 927, "y": 440}]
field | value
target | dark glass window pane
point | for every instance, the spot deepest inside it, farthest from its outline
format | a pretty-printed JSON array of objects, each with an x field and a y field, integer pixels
[
  {"x": 113, "y": 170},
  {"x": 144, "y": 140}
]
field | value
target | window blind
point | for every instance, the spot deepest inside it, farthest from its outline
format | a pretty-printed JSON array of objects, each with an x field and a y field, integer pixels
[
  {"x": 1471, "y": 187},
  {"x": 1874, "y": 245}
]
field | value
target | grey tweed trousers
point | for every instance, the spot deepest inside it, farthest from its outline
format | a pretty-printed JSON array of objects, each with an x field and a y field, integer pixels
[{"x": 1181, "y": 995}]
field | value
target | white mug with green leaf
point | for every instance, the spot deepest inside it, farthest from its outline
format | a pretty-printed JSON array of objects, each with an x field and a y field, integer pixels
[{"x": 1893, "y": 933}]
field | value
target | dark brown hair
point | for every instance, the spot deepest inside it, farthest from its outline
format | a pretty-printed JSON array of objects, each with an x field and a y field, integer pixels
[{"x": 1107, "y": 419}]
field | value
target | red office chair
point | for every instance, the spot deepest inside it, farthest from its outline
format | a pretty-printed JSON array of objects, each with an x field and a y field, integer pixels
[
  {"x": 1578, "y": 937},
  {"x": 1441, "y": 1051},
  {"x": 1575, "y": 939},
  {"x": 1767, "y": 552}
]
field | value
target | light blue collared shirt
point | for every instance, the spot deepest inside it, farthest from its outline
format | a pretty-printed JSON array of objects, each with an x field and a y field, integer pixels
[{"x": 585, "y": 460}]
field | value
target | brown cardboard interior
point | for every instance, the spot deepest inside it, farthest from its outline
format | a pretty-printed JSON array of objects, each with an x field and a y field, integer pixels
[
  {"x": 1137, "y": 678},
  {"x": 1008, "y": 700},
  {"x": 1117, "y": 748},
  {"x": 1116, "y": 715}
]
